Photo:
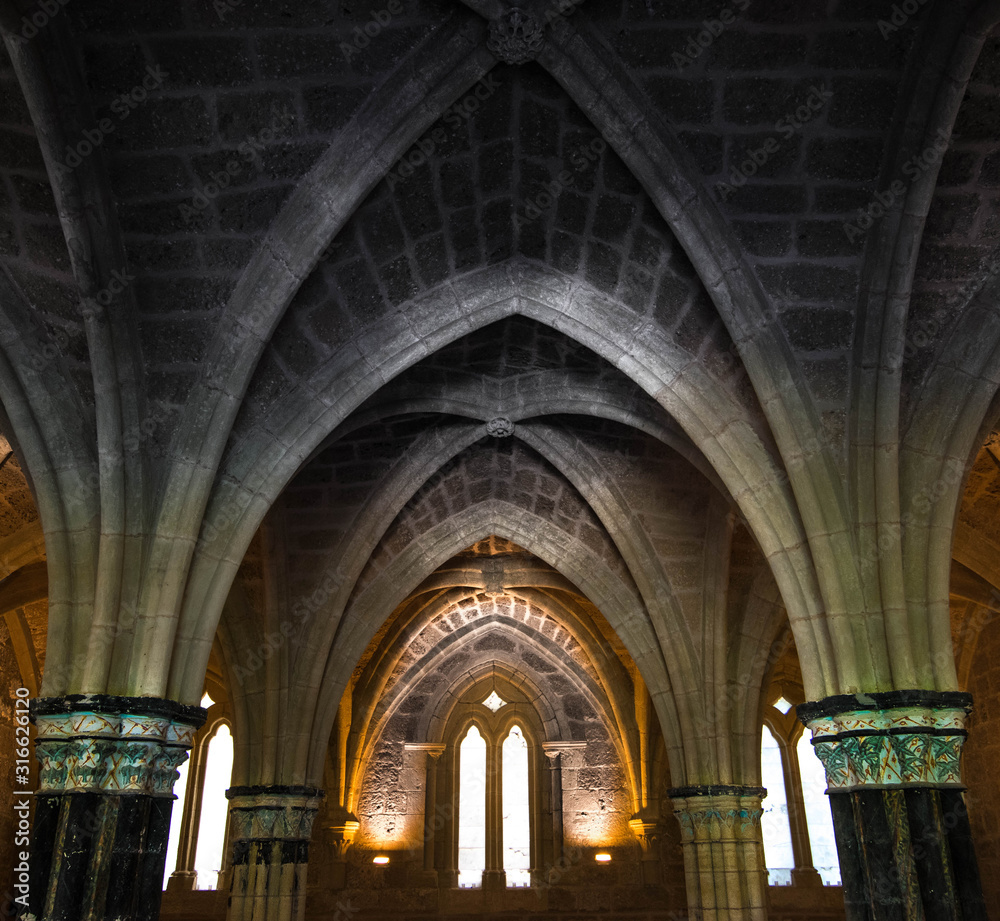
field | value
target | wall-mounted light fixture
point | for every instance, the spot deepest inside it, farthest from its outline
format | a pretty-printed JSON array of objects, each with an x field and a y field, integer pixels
[
  {"x": 381, "y": 860},
  {"x": 602, "y": 858}
]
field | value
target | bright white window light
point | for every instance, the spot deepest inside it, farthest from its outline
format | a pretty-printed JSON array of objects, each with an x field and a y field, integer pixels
[
  {"x": 214, "y": 809},
  {"x": 471, "y": 809},
  {"x": 180, "y": 788},
  {"x": 494, "y": 702},
  {"x": 516, "y": 823},
  {"x": 778, "y": 856},
  {"x": 782, "y": 705},
  {"x": 819, "y": 817}
]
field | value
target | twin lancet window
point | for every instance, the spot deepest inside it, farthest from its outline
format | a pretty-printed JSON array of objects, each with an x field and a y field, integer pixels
[
  {"x": 796, "y": 800},
  {"x": 494, "y": 825}
]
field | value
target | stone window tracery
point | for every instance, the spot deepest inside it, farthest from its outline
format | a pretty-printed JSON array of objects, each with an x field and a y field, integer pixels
[
  {"x": 488, "y": 791},
  {"x": 472, "y": 821},
  {"x": 494, "y": 795},
  {"x": 494, "y": 702},
  {"x": 211, "y": 848},
  {"x": 516, "y": 828},
  {"x": 799, "y": 844},
  {"x": 778, "y": 855},
  {"x": 199, "y": 819},
  {"x": 819, "y": 818}
]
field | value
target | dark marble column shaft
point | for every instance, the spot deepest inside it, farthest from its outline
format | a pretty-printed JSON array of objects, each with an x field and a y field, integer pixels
[
  {"x": 102, "y": 809},
  {"x": 892, "y": 763}
]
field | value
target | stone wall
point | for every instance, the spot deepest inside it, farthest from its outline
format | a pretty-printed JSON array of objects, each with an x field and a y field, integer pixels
[
  {"x": 795, "y": 903},
  {"x": 391, "y": 805},
  {"x": 596, "y": 808},
  {"x": 595, "y": 801},
  {"x": 982, "y": 754}
]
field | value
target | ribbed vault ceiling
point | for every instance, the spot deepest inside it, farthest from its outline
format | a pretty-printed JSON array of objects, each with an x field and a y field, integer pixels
[{"x": 379, "y": 308}]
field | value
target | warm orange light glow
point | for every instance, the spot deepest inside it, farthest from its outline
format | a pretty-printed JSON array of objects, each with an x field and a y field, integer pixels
[
  {"x": 380, "y": 860},
  {"x": 602, "y": 858}
]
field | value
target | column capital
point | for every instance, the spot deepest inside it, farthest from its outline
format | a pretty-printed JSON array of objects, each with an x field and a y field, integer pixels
[
  {"x": 123, "y": 752},
  {"x": 883, "y": 700},
  {"x": 721, "y": 843},
  {"x": 647, "y": 832},
  {"x": 271, "y": 826},
  {"x": 432, "y": 749},
  {"x": 718, "y": 789},
  {"x": 342, "y": 836},
  {"x": 890, "y": 739},
  {"x": 273, "y": 811},
  {"x": 718, "y": 812},
  {"x": 554, "y": 749},
  {"x": 97, "y": 743},
  {"x": 892, "y": 762},
  {"x": 342, "y": 825}
]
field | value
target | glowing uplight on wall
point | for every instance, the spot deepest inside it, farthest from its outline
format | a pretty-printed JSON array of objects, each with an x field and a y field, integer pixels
[
  {"x": 380, "y": 861},
  {"x": 602, "y": 858}
]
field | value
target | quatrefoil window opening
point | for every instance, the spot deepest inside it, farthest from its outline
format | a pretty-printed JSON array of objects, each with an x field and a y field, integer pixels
[{"x": 494, "y": 702}]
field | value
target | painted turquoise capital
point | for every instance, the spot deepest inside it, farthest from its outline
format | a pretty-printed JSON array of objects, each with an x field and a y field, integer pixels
[
  {"x": 889, "y": 740},
  {"x": 718, "y": 812},
  {"x": 271, "y": 811},
  {"x": 97, "y": 743}
]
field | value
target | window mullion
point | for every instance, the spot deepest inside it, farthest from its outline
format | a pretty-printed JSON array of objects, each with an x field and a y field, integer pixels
[
  {"x": 494, "y": 814},
  {"x": 796, "y": 805}
]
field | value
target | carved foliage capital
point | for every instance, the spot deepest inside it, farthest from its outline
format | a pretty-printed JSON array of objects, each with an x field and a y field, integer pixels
[
  {"x": 96, "y": 751},
  {"x": 718, "y": 818},
  {"x": 895, "y": 748},
  {"x": 265, "y": 815}
]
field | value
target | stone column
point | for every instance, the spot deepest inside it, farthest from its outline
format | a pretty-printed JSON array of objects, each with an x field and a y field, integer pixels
[
  {"x": 431, "y": 808},
  {"x": 186, "y": 878},
  {"x": 341, "y": 830},
  {"x": 270, "y": 828},
  {"x": 446, "y": 843},
  {"x": 647, "y": 831},
  {"x": 102, "y": 809},
  {"x": 785, "y": 728},
  {"x": 555, "y": 786},
  {"x": 892, "y": 763},
  {"x": 803, "y": 873},
  {"x": 723, "y": 852},
  {"x": 433, "y": 818},
  {"x": 494, "y": 877}
]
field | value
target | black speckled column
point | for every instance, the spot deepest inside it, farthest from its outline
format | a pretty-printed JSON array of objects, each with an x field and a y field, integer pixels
[
  {"x": 892, "y": 763},
  {"x": 270, "y": 830},
  {"x": 102, "y": 813}
]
